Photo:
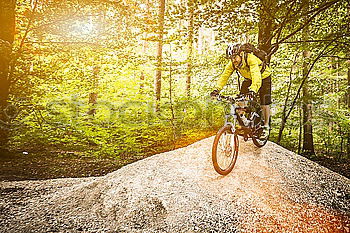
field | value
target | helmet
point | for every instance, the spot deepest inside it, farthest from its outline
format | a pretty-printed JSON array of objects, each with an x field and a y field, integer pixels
[{"x": 232, "y": 50}]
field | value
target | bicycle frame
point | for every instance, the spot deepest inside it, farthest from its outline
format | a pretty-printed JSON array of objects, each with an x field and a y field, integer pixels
[{"x": 248, "y": 129}]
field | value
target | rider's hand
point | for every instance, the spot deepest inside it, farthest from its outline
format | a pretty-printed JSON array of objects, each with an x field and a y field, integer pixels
[
  {"x": 251, "y": 94},
  {"x": 214, "y": 93}
]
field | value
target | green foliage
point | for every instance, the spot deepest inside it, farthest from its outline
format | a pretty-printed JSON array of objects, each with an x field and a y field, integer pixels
[
  {"x": 131, "y": 129},
  {"x": 108, "y": 48}
]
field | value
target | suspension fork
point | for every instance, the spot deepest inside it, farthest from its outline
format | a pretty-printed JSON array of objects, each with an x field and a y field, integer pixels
[{"x": 234, "y": 115}]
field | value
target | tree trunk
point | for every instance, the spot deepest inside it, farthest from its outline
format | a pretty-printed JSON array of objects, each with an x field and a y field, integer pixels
[
  {"x": 142, "y": 76},
  {"x": 144, "y": 52},
  {"x": 7, "y": 33},
  {"x": 158, "y": 79},
  {"x": 283, "y": 125},
  {"x": 172, "y": 120},
  {"x": 348, "y": 102},
  {"x": 308, "y": 143},
  {"x": 190, "y": 47},
  {"x": 300, "y": 130},
  {"x": 341, "y": 143},
  {"x": 347, "y": 93},
  {"x": 94, "y": 94},
  {"x": 142, "y": 82}
]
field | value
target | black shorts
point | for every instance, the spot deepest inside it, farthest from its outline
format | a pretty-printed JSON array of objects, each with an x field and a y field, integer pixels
[{"x": 264, "y": 92}]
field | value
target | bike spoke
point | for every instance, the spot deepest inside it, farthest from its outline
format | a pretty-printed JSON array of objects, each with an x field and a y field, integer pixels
[
  {"x": 225, "y": 155},
  {"x": 221, "y": 145}
]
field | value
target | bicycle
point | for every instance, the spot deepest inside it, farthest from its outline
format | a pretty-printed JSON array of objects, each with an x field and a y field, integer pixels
[{"x": 247, "y": 122}]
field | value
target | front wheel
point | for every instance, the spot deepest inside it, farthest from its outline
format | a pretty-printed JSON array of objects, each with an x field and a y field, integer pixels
[{"x": 225, "y": 150}]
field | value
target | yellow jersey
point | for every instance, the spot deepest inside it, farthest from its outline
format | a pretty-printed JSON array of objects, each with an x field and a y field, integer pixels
[{"x": 249, "y": 69}]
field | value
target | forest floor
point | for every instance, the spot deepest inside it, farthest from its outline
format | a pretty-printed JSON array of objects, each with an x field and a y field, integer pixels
[
  {"x": 42, "y": 165},
  {"x": 342, "y": 167},
  {"x": 16, "y": 166}
]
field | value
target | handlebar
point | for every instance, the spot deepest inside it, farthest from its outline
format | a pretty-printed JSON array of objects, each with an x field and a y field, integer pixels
[{"x": 231, "y": 99}]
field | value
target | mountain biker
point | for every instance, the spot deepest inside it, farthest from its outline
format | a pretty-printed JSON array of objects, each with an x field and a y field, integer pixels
[{"x": 257, "y": 79}]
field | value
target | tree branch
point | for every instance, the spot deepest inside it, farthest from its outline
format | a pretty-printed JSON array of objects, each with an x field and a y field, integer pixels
[
  {"x": 63, "y": 42},
  {"x": 305, "y": 77},
  {"x": 289, "y": 87},
  {"x": 279, "y": 31},
  {"x": 19, "y": 51},
  {"x": 304, "y": 41},
  {"x": 284, "y": 119},
  {"x": 319, "y": 10},
  {"x": 28, "y": 27},
  {"x": 341, "y": 58}
]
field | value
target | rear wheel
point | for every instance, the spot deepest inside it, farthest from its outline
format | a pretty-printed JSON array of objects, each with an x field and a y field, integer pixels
[
  {"x": 257, "y": 140},
  {"x": 225, "y": 150}
]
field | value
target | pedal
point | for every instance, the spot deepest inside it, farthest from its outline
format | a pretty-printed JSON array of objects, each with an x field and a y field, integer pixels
[{"x": 245, "y": 137}]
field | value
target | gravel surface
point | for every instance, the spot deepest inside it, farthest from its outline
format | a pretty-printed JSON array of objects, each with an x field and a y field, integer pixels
[{"x": 270, "y": 190}]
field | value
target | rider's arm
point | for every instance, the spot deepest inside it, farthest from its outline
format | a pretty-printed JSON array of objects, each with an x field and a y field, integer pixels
[
  {"x": 253, "y": 63},
  {"x": 224, "y": 76}
]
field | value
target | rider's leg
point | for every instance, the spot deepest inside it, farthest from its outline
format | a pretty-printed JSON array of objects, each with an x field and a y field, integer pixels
[
  {"x": 266, "y": 113},
  {"x": 265, "y": 101},
  {"x": 245, "y": 85}
]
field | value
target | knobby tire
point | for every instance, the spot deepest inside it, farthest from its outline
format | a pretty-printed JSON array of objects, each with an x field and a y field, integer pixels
[{"x": 223, "y": 134}]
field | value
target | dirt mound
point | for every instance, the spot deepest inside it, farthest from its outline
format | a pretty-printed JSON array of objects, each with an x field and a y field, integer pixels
[{"x": 270, "y": 189}]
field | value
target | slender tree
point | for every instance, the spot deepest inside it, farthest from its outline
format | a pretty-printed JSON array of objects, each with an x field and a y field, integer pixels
[
  {"x": 145, "y": 45},
  {"x": 158, "y": 78},
  {"x": 308, "y": 143},
  {"x": 94, "y": 86},
  {"x": 7, "y": 33},
  {"x": 348, "y": 102},
  {"x": 190, "y": 46},
  {"x": 348, "y": 89}
]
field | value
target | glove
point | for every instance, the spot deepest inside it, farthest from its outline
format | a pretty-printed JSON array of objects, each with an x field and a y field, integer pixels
[
  {"x": 214, "y": 93},
  {"x": 251, "y": 94}
]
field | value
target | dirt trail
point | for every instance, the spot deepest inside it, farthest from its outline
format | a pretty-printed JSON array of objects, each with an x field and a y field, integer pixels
[{"x": 270, "y": 190}]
